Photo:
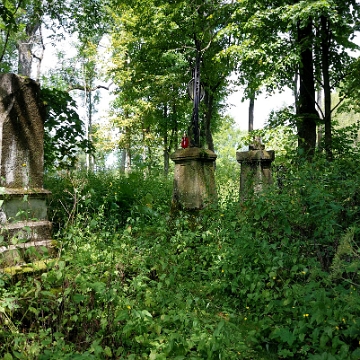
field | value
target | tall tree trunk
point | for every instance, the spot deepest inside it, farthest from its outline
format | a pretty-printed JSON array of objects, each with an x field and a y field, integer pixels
[
  {"x": 147, "y": 154},
  {"x": 166, "y": 146},
  {"x": 88, "y": 105},
  {"x": 320, "y": 130},
  {"x": 90, "y": 161},
  {"x": 307, "y": 114},
  {"x": 295, "y": 90},
  {"x": 166, "y": 161},
  {"x": 251, "y": 116},
  {"x": 209, "y": 105},
  {"x": 175, "y": 139},
  {"x": 122, "y": 161},
  {"x": 195, "y": 128},
  {"x": 251, "y": 113},
  {"x": 25, "y": 47},
  {"x": 325, "y": 45},
  {"x": 127, "y": 149}
]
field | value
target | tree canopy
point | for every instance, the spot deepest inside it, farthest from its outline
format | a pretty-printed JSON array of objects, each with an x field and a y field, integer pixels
[{"x": 153, "y": 46}]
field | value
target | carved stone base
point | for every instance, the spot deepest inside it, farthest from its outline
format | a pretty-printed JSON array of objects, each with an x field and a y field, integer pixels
[
  {"x": 255, "y": 170},
  {"x": 194, "y": 179}
]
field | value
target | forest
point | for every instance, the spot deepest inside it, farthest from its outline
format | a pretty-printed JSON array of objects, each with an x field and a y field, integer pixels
[{"x": 274, "y": 275}]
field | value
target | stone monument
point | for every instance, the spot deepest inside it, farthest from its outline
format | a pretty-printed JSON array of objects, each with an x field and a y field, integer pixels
[
  {"x": 255, "y": 168},
  {"x": 194, "y": 173},
  {"x": 25, "y": 232},
  {"x": 194, "y": 179}
]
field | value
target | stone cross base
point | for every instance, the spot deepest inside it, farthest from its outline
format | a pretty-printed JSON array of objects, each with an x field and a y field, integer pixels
[
  {"x": 194, "y": 179},
  {"x": 255, "y": 170}
]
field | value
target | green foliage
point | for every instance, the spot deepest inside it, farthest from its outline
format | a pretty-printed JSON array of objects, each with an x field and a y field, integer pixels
[
  {"x": 155, "y": 44},
  {"x": 276, "y": 276},
  {"x": 116, "y": 196},
  {"x": 7, "y": 12},
  {"x": 288, "y": 242},
  {"x": 64, "y": 132}
]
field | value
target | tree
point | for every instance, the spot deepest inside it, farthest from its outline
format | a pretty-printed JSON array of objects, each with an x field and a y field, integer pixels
[
  {"x": 21, "y": 41},
  {"x": 276, "y": 39},
  {"x": 156, "y": 44},
  {"x": 8, "y": 26},
  {"x": 64, "y": 132}
]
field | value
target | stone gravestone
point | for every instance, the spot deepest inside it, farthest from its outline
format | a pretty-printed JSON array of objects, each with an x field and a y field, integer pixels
[
  {"x": 194, "y": 179},
  {"x": 25, "y": 231}
]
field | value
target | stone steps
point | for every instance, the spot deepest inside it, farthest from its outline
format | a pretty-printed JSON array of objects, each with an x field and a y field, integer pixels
[{"x": 25, "y": 241}]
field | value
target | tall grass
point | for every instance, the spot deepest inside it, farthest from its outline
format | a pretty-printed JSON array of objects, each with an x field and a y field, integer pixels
[{"x": 274, "y": 277}]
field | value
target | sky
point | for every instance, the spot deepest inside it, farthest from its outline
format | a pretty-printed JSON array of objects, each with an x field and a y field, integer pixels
[{"x": 263, "y": 106}]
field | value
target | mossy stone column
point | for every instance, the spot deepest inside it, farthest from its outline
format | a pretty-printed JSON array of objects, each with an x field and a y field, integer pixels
[
  {"x": 23, "y": 211},
  {"x": 194, "y": 179},
  {"x": 255, "y": 170}
]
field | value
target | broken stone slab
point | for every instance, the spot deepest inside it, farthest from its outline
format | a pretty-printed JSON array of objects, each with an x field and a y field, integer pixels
[
  {"x": 194, "y": 179},
  {"x": 20, "y": 254}
]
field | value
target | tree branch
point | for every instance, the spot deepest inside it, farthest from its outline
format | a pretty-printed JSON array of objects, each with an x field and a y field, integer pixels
[{"x": 88, "y": 88}]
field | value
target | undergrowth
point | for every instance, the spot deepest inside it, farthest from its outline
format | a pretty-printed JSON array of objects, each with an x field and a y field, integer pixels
[{"x": 276, "y": 276}]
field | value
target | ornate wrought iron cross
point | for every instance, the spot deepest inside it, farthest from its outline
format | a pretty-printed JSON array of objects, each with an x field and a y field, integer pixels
[{"x": 197, "y": 89}]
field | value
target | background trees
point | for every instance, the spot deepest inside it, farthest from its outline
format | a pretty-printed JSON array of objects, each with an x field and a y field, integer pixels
[
  {"x": 150, "y": 52},
  {"x": 306, "y": 40},
  {"x": 278, "y": 276},
  {"x": 155, "y": 48}
]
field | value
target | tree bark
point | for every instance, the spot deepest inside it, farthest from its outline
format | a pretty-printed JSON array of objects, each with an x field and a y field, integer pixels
[
  {"x": 295, "y": 90},
  {"x": 320, "y": 130},
  {"x": 209, "y": 104},
  {"x": 122, "y": 161},
  {"x": 307, "y": 114},
  {"x": 128, "y": 149},
  {"x": 166, "y": 155},
  {"x": 25, "y": 49},
  {"x": 325, "y": 44},
  {"x": 251, "y": 113}
]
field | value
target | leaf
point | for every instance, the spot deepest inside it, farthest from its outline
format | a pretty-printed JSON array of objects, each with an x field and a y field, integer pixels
[
  {"x": 284, "y": 334},
  {"x": 324, "y": 340},
  {"x": 285, "y": 353},
  {"x": 287, "y": 229},
  {"x": 33, "y": 310},
  {"x": 107, "y": 351},
  {"x": 145, "y": 313},
  {"x": 219, "y": 328},
  {"x": 98, "y": 286},
  {"x": 77, "y": 298}
]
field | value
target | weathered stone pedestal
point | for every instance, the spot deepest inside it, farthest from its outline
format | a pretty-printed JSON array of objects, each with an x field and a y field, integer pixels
[
  {"x": 25, "y": 232},
  {"x": 255, "y": 170},
  {"x": 194, "y": 179}
]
